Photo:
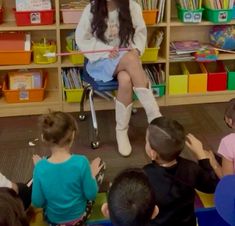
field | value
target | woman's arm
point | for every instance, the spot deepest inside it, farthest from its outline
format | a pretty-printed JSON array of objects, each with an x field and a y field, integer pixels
[
  {"x": 86, "y": 41},
  {"x": 140, "y": 36}
]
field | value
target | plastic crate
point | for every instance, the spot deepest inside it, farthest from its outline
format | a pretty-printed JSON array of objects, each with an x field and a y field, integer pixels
[
  {"x": 30, "y": 18},
  {"x": 231, "y": 76},
  {"x": 218, "y": 15},
  {"x": 24, "y": 96},
  {"x": 1, "y": 15},
  {"x": 40, "y": 49},
  {"x": 150, "y": 16},
  {"x": 15, "y": 58},
  {"x": 197, "y": 77},
  {"x": 158, "y": 90},
  {"x": 76, "y": 59},
  {"x": 217, "y": 76},
  {"x": 150, "y": 55},
  {"x": 71, "y": 16},
  {"x": 189, "y": 16},
  {"x": 178, "y": 81},
  {"x": 73, "y": 95}
]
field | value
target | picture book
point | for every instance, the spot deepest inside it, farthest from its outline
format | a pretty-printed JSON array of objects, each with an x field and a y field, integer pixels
[{"x": 186, "y": 46}]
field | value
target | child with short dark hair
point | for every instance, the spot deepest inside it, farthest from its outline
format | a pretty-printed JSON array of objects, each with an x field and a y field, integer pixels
[
  {"x": 173, "y": 178},
  {"x": 131, "y": 200},
  {"x": 11, "y": 209},
  {"x": 64, "y": 182},
  {"x": 227, "y": 144}
]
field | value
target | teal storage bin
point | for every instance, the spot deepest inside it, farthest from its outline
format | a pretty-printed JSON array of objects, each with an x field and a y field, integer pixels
[
  {"x": 231, "y": 77},
  {"x": 218, "y": 15},
  {"x": 189, "y": 16}
]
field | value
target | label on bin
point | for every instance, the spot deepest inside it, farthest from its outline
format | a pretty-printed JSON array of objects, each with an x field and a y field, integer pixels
[
  {"x": 222, "y": 16},
  {"x": 156, "y": 92},
  {"x": 197, "y": 17},
  {"x": 23, "y": 95},
  {"x": 188, "y": 17},
  {"x": 35, "y": 18}
]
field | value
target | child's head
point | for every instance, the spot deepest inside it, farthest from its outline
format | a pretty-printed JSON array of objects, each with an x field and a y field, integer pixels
[
  {"x": 131, "y": 200},
  {"x": 165, "y": 139},
  {"x": 229, "y": 115},
  {"x": 58, "y": 129},
  {"x": 11, "y": 209}
]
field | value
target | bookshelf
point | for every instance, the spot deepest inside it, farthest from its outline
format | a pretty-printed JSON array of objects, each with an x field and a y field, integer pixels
[{"x": 172, "y": 27}]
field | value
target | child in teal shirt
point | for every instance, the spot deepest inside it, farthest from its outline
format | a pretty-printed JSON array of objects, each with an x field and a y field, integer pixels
[{"x": 64, "y": 182}]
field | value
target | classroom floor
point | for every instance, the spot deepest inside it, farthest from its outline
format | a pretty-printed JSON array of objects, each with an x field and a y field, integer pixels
[{"x": 204, "y": 120}]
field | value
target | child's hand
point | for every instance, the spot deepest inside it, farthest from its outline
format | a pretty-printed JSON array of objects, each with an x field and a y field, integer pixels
[
  {"x": 95, "y": 166},
  {"x": 36, "y": 158},
  {"x": 195, "y": 146},
  {"x": 114, "y": 52}
]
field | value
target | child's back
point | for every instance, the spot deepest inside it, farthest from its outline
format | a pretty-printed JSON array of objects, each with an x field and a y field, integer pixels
[
  {"x": 63, "y": 183},
  {"x": 174, "y": 179},
  {"x": 63, "y": 188}
]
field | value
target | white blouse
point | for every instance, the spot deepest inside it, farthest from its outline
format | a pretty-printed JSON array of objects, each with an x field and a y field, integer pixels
[{"x": 86, "y": 41}]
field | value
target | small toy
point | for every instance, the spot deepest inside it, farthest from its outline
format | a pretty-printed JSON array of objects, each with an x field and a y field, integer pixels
[{"x": 206, "y": 55}]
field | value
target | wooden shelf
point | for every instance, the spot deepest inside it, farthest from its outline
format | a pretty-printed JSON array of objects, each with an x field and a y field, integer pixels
[
  {"x": 11, "y": 26},
  {"x": 28, "y": 66},
  {"x": 52, "y": 101},
  {"x": 208, "y": 97},
  {"x": 176, "y": 23}
]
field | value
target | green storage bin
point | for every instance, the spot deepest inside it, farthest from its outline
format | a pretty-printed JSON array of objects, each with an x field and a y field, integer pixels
[
  {"x": 218, "y": 15},
  {"x": 158, "y": 90},
  {"x": 231, "y": 77},
  {"x": 73, "y": 95},
  {"x": 189, "y": 16}
]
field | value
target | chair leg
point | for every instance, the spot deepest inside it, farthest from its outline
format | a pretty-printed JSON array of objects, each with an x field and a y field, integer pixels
[
  {"x": 82, "y": 115},
  {"x": 95, "y": 143}
]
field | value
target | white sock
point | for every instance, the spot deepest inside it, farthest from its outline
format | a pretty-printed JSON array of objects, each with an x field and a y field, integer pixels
[{"x": 4, "y": 182}]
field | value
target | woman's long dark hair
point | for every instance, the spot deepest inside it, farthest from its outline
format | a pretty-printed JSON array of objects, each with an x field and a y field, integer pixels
[{"x": 100, "y": 14}]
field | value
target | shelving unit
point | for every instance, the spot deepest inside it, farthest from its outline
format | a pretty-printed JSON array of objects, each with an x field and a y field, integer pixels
[{"x": 173, "y": 29}]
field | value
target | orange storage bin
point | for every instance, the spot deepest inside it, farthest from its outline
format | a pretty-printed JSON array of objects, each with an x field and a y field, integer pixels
[
  {"x": 197, "y": 77},
  {"x": 15, "y": 58},
  {"x": 150, "y": 16},
  {"x": 24, "y": 96}
]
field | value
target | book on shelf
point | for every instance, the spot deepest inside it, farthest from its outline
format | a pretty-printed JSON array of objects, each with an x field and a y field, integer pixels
[
  {"x": 187, "y": 46},
  {"x": 219, "y": 4},
  {"x": 33, "y": 5},
  {"x": 155, "y": 73},
  {"x": 190, "y": 4},
  {"x": 72, "y": 78}
]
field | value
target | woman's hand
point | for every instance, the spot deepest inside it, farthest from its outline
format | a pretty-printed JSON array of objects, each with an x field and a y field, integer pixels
[
  {"x": 114, "y": 52},
  {"x": 196, "y": 147}
]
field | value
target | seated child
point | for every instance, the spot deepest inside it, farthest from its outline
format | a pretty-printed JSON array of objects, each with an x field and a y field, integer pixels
[
  {"x": 11, "y": 209},
  {"x": 174, "y": 179},
  {"x": 131, "y": 200},
  {"x": 63, "y": 182},
  {"x": 21, "y": 189},
  {"x": 227, "y": 144}
]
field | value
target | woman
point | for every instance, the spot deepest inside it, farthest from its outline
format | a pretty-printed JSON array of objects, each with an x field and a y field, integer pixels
[{"x": 109, "y": 25}]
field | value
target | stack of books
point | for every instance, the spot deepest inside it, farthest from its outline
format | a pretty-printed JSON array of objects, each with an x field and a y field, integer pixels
[
  {"x": 72, "y": 78},
  {"x": 183, "y": 50},
  {"x": 156, "y": 73}
]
